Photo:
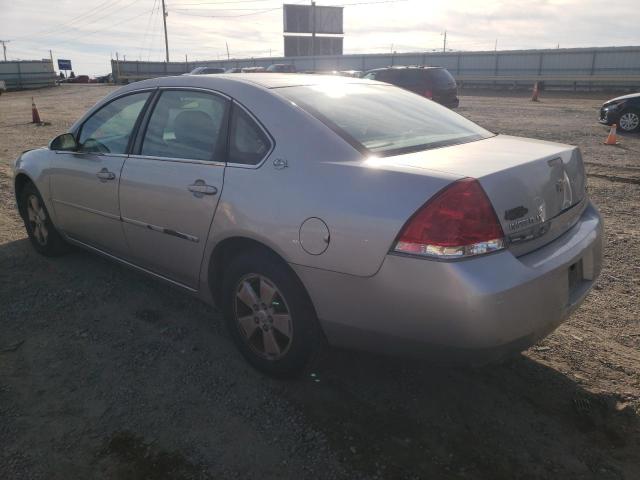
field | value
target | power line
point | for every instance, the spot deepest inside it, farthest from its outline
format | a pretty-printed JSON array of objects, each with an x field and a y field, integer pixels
[
  {"x": 157, "y": 29},
  {"x": 261, "y": 10},
  {"x": 83, "y": 16},
  {"x": 258, "y": 12},
  {"x": 86, "y": 34},
  {"x": 146, "y": 30},
  {"x": 81, "y": 33},
  {"x": 224, "y": 3}
]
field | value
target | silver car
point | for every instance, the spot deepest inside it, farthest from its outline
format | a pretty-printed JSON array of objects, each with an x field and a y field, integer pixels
[{"x": 317, "y": 208}]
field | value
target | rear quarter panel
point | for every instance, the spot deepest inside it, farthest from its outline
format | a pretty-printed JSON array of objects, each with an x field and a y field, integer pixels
[{"x": 363, "y": 201}]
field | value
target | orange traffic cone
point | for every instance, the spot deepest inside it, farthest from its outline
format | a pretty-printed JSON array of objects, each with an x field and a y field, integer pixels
[
  {"x": 536, "y": 92},
  {"x": 35, "y": 116},
  {"x": 611, "y": 138}
]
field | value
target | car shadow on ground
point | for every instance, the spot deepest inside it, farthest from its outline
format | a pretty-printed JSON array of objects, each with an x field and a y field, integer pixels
[
  {"x": 381, "y": 417},
  {"x": 501, "y": 421}
]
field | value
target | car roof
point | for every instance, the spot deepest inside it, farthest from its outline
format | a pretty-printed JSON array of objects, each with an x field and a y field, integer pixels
[{"x": 265, "y": 80}]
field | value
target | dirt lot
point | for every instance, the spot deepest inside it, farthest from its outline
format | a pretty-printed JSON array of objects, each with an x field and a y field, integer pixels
[{"x": 105, "y": 373}]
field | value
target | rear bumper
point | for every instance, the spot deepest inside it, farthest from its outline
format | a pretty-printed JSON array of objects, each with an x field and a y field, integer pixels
[
  {"x": 448, "y": 102},
  {"x": 478, "y": 309}
]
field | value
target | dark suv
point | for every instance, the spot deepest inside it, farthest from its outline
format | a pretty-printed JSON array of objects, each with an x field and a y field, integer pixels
[{"x": 435, "y": 83}]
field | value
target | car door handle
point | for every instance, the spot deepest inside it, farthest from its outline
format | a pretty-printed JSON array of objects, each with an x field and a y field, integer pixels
[
  {"x": 105, "y": 174},
  {"x": 199, "y": 187}
]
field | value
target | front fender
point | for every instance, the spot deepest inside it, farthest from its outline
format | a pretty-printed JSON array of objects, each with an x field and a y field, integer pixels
[{"x": 35, "y": 165}]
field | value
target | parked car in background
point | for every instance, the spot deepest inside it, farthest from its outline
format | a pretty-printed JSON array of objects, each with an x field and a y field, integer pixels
[
  {"x": 79, "y": 79},
  {"x": 253, "y": 69},
  {"x": 205, "y": 71},
  {"x": 233, "y": 70},
  {"x": 281, "y": 68},
  {"x": 624, "y": 111},
  {"x": 108, "y": 78},
  {"x": 382, "y": 221},
  {"x": 350, "y": 73},
  {"x": 434, "y": 83}
]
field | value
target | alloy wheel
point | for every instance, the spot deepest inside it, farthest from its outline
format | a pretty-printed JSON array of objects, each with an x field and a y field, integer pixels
[
  {"x": 263, "y": 316},
  {"x": 37, "y": 219},
  {"x": 629, "y": 121}
]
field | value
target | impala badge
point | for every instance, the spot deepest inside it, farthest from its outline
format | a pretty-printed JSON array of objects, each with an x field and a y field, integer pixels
[
  {"x": 519, "y": 223},
  {"x": 515, "y": 213}
]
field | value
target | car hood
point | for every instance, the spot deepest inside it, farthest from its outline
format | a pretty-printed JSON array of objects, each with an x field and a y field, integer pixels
[{"x": 623, "y": 97}]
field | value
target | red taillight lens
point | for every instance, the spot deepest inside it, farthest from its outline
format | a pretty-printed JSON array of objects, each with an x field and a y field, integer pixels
[
  {"x": 428, "y": 93},
  {"x": 459, "y": 221}
]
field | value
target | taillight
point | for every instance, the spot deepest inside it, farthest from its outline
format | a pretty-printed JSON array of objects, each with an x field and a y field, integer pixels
[
  {"x": 428, "y": 94},
  {"x": 457, "y": 222}
]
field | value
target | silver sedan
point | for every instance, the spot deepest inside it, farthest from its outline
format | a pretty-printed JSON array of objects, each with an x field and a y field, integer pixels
[{"x": 318, "y": 208}]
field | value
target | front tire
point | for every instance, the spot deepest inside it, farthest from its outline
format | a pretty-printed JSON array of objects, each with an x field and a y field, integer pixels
[
  {"x": 42, "y": 233},
  {"x": 269, "y": 314},
  {"x": 629, "y": 121}
]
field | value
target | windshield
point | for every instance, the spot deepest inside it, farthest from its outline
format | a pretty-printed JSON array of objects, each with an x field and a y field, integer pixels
[{"x": 384, "y": 119}]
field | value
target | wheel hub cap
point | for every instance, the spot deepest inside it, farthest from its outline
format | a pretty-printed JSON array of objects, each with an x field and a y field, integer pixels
[
  {"x": 262, "y": 316},
  {"x": 629, "y": 121},
  {"x": 37, "y": 219}
]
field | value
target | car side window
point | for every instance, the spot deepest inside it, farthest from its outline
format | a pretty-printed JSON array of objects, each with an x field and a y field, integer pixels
[
  {"x": 108, "y": 130},
  {"x": 248, "y": 143},
  {"x": 370, "y": 76},
  {"x": 186, "y": 124}
]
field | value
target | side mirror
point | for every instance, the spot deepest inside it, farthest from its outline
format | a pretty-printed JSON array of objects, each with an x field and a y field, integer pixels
[{"x": 65, "y": 142}]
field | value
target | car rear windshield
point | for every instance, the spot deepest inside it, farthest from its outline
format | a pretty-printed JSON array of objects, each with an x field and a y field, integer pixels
[
  {"x": 439, "y": 77},
  {"x": 383, "y": 119}
]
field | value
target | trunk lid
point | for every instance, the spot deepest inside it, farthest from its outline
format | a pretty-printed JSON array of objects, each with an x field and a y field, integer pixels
[{"x": 537, "y": 188}]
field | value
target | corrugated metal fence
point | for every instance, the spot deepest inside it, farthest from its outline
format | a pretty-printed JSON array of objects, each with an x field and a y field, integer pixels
[
  {"x": 27, "y": 74},
  {"x": 610, "y": 66}
]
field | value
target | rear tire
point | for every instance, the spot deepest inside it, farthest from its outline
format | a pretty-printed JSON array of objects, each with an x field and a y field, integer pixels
[
  {"x": 40, "y": 229},
  {"x": 269, "y": 314},
  {"x": 629, "y": 121}
]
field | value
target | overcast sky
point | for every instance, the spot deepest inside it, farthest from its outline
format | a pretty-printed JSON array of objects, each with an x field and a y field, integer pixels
[{"x": 90, "y": 32}]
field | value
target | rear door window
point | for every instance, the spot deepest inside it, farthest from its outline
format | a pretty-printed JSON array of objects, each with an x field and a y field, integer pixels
[
  {"x": 248, "y": 144},
  {"x": 440, "y": 78},
  {"x": 186, "y": 124}
]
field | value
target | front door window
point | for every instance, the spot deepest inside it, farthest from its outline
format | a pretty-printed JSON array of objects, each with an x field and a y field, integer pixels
[{"x": 109, "y": 129}]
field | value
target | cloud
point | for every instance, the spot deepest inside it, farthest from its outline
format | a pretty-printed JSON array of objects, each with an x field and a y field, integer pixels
[{"x": 89, "y": 32}]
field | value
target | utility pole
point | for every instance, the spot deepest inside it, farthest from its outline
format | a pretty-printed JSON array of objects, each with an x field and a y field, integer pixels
[
  {"x": 4, "y": 48},
  {"x": 227, "y": 44},
  {"x": 495, "y": 48},
  {"x": 117, "y": 67},
  {"x": 164, "y": 21},
  {"x": 444, "y": 44},
  {"x": 51, "y": 56},
  {"x": 313, "y": 32}
]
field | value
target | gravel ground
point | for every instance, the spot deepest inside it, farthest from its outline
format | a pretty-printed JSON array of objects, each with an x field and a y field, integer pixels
[{"x": 105, "y": 373}]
